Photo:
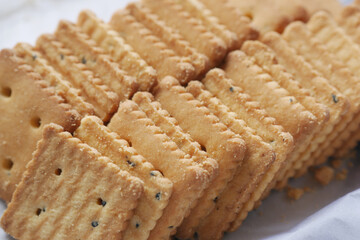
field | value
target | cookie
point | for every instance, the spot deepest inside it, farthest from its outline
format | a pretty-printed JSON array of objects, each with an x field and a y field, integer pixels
[
  {"x": 151, "y": 48},
  {"x": 266, "y": 58},
  {"x": 192, "y": 29},
  {"x": 261, "y": 123},
  {"x": 70, "y": 191},
  {"x": 233, "y": 19},
  {"x": 171, "y": 128},
  {"x": 258, "y": 159},
  {"x": 29, "y": 103},
  {"x": 112, "y": 44},
  {"x": 94, "y": 58},
  {"x": 227, "y": 148},
  {"x": 169, "y": 36},
  {"x": 150, "y": 208},
  {"x": 250, "y": 77},
  {"x": 62, "y": 86},
  {"x": 189, "y": 180},
  {"x": 337, "y": 73},
  {"x": 105, "y": 102},
  {"x": 199, "y": 11},
  {"x": 317, "y": 86}
]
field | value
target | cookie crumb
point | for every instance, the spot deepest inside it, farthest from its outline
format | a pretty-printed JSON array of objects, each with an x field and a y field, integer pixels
[
  {"x": 336, "y": 163},
  {"x": 324, "y": 175},
  {"x": 295, "y": 193},
  {"x": 342, "y": 175}
]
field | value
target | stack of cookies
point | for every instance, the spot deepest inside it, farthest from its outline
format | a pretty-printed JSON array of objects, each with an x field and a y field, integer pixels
[{"x": 176, "y": 118}]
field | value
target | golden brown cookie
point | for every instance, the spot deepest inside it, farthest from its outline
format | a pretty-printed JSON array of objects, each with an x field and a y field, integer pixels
[
  {"x": 105, "y": 101},
  {"x": 317, "y": 86},
  {"x": 218, "y": 141},
  {"x": 189, "y": 180},
  {"x": 259, "y": 121},
  {"x": 170, "y": 36},
  {"x": 233, "y": 19},
  {"x": 111, "y": 43},
  {"x": 258, "y": 159},
  {"x": 338, "y": 74},
  {"x": 171, "y": 128},
  {"x": 70, "y": 191},
  {"x": 55, "y": 79},
  {"x": 151, "y": 48},
  {"x": 150, "y": 208},
  {"x": 27, "y": 104},
  {"x": 192, "y": 29},
  {"x": 94, "y": 58},
  {"x": 200, "y": 12}
]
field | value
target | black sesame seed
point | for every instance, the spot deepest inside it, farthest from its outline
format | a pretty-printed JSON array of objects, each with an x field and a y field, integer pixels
[
  {"x": 231, "y": 89},
  {"x": 131, "y": 163},
  {"x": 215, "y": 199},
  {"x": 291, "y": 100},
  {"x": 103, "y": 203},
  {"x": 335, "y": 99},
  {"x": 94, "y": 224},
  {"x": 34, "y": 57},
  {"x": 62, "y": 56},
  {"x": 137, "y": 225},
  {"x": 44, "y": 209},
  {"x": 153, "y": 173},
  {"x": 170, "y": 227},
  {"x": 83, "y": 60},
  {"x": 158, "y": 196}
]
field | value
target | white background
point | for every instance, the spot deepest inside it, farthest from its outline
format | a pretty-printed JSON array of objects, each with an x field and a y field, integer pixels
[{"x": 317, "y": 215}]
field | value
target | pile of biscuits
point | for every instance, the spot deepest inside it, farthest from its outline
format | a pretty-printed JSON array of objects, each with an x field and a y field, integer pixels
[{"x": 176, "y": 118}]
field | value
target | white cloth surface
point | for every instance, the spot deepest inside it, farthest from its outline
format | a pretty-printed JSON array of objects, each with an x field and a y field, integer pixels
[{"x": 331, "y": 212}]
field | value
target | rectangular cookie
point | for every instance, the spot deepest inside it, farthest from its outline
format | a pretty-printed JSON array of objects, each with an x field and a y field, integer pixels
[
  {"x": 112, "y": 44},
  {"x": 257, "y": 161},
  {"x": 70, "y": 191},
  {"x": 250, "y": 77},
  {"x": 338, "y": 75},
  {"x": 210, "y": 22},
  {"x": 325, "y": 30},
  {"x": 151, "y": 48},
  {"x": 105, "y": 102},
  {"x": 170, "y": 36},
  {"x": 233, "y": 19},
  {"x": 55, "y": 79},
  {"x": 266, "y": 57},
  {"x": 96, "y": 60},
  {"x": 277, "y": 101},
  {"x": 27, "y": 104},
  {"x": 171, "y": 128},
  {"x": 259, "y": 121},
  {"x": 109, "y": 144},
  {"x": 317, "y": 86},
  {"x": 192, "y": 29},
  {"x": 189, "y": 180},
  {"x": 227, "y": 148}
]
